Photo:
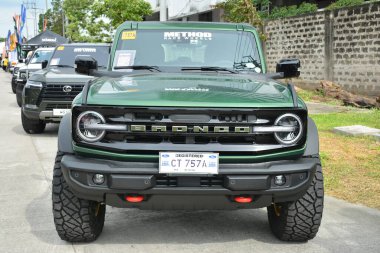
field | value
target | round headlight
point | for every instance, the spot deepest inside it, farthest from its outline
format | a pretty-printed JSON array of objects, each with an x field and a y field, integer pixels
[
  {"x": 90, "y": 118},
  {"x": 289, "y": 120}
]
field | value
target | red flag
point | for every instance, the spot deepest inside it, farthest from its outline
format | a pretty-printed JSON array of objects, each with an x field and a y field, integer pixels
[{"x": 45, "y": 24}]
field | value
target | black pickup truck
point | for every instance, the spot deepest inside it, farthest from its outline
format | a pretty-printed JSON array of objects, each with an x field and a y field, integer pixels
[{"x": 48, "y": 94}]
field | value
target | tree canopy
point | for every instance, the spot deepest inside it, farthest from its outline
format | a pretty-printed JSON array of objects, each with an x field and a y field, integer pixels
[
  {"x": 53, "y": 17},
  {"x": 93, "y": 20}
]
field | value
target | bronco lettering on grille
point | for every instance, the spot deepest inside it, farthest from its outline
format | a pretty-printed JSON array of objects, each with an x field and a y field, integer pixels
[{"x": 186, "y": 129}]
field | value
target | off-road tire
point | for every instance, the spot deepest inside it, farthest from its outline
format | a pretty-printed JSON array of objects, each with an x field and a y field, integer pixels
[
  {"x": 75, "y": 219},
  {"x": 14, "y": 84},
  {"x": 19, "y": 98},
  {"x": 32, "y": 126},
  {"x": 300, "y": 220}
]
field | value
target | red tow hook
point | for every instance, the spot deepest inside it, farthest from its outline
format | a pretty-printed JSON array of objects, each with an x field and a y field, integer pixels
[
  {"x": 134, "y": 199},
  {"x": 243, "y": 199}
]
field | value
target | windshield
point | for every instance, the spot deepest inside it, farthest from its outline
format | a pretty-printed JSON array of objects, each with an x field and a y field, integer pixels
[
  {"x": 190, "y": 48},
  {"x": 40, "y": 56},
  {"x": 65, "y": 55}
]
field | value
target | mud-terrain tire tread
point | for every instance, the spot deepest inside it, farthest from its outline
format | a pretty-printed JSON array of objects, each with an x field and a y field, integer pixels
[
  {"x": 14, "y": 87},
  {"x": 19, "y": 99},
  {"x": 300, "y": 220},
  {"x": 75, "y": 219},
  {"x": 32, "y": 126}
]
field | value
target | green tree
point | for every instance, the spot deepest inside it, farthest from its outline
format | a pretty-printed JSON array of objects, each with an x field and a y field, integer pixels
[
  {"x": 79, "y": 16},
  {"x": 96, "y": 20},
  {"x": 119, "y": 11},
  {"x": 242, "y": 11},
  {"x": 54, "y": 18}
]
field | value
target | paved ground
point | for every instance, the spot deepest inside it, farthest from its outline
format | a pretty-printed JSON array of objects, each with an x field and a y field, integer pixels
[{"x": 26, "y": 223}]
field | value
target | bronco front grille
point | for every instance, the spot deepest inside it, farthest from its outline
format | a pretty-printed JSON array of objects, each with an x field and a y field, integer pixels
[{"x": 151, "y": 130}]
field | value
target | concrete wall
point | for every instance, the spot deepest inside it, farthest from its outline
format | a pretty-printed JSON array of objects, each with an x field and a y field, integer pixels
[{"x": 341, "y": 45}]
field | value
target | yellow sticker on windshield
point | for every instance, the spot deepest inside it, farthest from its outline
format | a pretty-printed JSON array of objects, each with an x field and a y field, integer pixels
[
  {"x": 60, "y": 48},
  {"x": 128, "y": 35}
]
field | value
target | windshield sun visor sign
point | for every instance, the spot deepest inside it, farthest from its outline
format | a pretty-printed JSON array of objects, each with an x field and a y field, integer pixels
[
  {"x": 124, "y": 58},
  {"x": 128, "y": 35},
  {"x": 187, "y": 36}
]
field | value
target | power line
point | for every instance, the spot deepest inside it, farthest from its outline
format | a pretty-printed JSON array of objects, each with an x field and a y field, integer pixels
[{"x": 31, "y": 5}]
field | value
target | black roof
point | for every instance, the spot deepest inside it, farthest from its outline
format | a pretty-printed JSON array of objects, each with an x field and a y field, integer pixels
[{"x": 47, "y": 38}]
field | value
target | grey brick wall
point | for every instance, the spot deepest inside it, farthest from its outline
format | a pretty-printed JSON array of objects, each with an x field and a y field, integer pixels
[{"x": 341, "y": 45}]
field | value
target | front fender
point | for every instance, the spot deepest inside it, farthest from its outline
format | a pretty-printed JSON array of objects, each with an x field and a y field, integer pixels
[
  {"x": 312, "y": 143},
  {"x": 64, "y": 135}
]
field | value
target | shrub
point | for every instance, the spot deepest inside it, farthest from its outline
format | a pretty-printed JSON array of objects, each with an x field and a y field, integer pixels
[
  {"x": 344, "y": 3},
  {"x": 293, "y": 10}
]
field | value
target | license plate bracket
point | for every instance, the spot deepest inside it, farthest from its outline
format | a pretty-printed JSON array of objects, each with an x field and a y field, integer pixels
[
  {"x": 60, "y": 112},
  {"x": 188, "y": 163}
]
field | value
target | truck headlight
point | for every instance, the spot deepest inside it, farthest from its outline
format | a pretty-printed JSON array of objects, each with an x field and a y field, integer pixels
[
  {"x": 89, "y": 118},
  {"x": 23, "y": 75},
  {"x": 288, "y": 138},
  {"x": 33, "y": 84}
]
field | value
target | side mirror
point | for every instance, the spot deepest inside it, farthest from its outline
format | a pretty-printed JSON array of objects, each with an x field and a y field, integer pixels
[
  {"x": 289, "y": 67},
  {"x": 84, "y": 64},
  {"x": 44, "y": 64},
  {"x": 21, "y": 60}
]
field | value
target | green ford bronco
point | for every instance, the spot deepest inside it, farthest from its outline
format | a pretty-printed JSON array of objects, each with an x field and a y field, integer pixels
[{"x": 187, "y": 117}]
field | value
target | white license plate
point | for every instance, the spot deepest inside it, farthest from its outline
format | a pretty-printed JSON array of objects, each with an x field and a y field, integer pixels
[
  {"x": 60, "y": 112},
  {"x": 189, "y": 163}
]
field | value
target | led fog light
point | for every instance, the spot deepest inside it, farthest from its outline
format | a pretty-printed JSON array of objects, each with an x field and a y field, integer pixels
[
  {"x": 98, "y": 179},
  {"x": 279, "y": 180}
]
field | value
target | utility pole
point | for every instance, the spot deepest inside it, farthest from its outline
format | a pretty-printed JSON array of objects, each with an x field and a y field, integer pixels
[
  {"x": 163, "y": 10},
  {"x": 63, "y": 23},
  {"x": 31, "y": 5}
]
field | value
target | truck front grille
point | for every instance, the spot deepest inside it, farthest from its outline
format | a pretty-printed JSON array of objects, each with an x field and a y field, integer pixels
[
  {"x": 51, "y": 106},
  {"x": 55, "y": 91},
  {"x": 151, "y": 130}
]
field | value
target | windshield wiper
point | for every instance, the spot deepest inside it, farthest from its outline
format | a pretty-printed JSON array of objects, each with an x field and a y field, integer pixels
[
  {"x": 62, "y": 66},
  {"x": 137, "y": 67},
  {"x": 209, "y": 68}
]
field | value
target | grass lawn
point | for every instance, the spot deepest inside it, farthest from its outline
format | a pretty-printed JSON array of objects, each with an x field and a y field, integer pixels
[{"x": 351, "y": 165}]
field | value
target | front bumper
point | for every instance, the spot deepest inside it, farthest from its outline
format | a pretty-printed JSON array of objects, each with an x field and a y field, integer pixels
[
  {"x": 44, "y": 111},
  {"x": 163, "y": 191}
]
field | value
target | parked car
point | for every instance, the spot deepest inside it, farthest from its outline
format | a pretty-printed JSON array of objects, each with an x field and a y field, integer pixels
[
  {"x": 11, "y": 66},
  {"x": 187, "y": 117},
  {"x": 48, "y": 93},
  {"x": 39, "y": 60},
  {"x": 22, "y": 62}
]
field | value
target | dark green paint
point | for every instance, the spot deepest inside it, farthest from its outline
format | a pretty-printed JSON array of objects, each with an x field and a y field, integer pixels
[{"x": 190, "y": 90}]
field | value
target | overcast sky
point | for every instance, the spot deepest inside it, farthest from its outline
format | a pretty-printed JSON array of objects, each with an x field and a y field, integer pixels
[{"x": 10, "y": 7}]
